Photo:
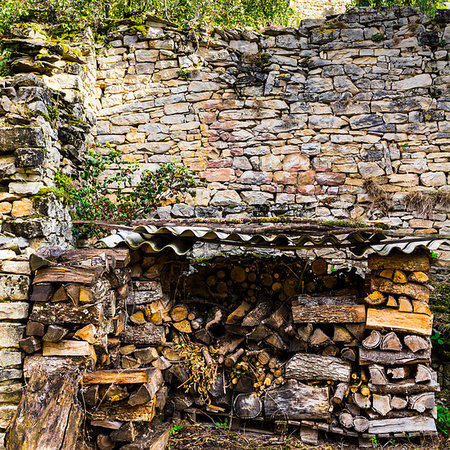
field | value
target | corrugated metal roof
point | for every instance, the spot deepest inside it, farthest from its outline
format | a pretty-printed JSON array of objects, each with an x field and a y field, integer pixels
[{"x": 181, "y": 239}]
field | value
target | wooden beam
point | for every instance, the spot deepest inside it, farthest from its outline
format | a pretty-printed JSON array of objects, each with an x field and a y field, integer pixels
[
  {"x": 367, "y": 356},
  {"x": 390, "y": 319},
  {"x": 128, "y": 376},
  {"x": 329, "y": 314},
  {"x": 414, "y": 290},
  {"x": 403, "y": 425},
  {"x": 63, "y": 274},
  {"x": 295, "y": 400},
  {"x": 48, "y": 416},
  {"x": 307, "y": 366},
  {"x": 402, "y": 261}
]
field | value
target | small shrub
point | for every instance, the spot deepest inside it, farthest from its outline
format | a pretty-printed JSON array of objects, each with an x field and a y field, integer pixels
[
  {"x": 5, "y": 56},
  {"x": 175, "y": 429},
  {"x": 443, "y": 420},
  {"x": 378, "y": 37},
  {"x": 184, "y": 73}
]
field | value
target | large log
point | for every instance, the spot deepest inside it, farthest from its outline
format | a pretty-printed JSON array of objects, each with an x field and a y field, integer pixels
[
  {"x": 329, "y": 314},
  {"x": 295, "y": 400},
  {"x": 414, "y": 290},
  {"x": 379, "y": 319},
  {"x": 61, "y": 313},
  {"x": 402, "y": 261},
  {"x": 367, "y": 356},
  {"x": 408, "y": 386},
  {"x": 307, "y": 366},
  {"x": 53, "y": 364},
  {"x": 349, "y": 299},
  {"x": 418, "y": 424},
  {"x": 147, "y": 334},
  {"x": 129, "y": 376},
  {"x": 62, "y": 274},
  {"x": 48, "y": 416},
  {"x": 247, "y": 406},
  {"x": 69, "y": 348}
]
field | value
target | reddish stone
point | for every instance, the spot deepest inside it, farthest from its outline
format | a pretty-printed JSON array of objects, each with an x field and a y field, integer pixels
[
  {"x": 285, "y": 177},
  {"x": 308, "y": 189},
  {"x": 306, "y": 177},
  {"x": 228, "y": 125},
  {"x": 219, "y": 175},
  {"x": 295, "y": 162},
  {"x": 219, "y": 163},
  {"x": 330, "y": 178},
  {"x": 237, "y": 151}
]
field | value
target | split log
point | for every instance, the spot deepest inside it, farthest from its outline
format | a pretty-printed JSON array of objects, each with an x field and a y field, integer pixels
[
  {"x": 348, "y": 354},
  {"x": 404, "y": 305},
  {"x": 126, "y": 433},
  {"x": 373, "y": 340},
  {"x": 228, "y": 344},
  {"x": 309, "y": 435},
  {"x": 146, "y": 355},
  {"x": 138, "y": 318},
  {"x": 30, "y": 344},
  {"x": 381, "y": 403},
  {"x": 375, "y": 298},
  {"x": 179, "y": 313},
  {"x": 247, "y": 406},
  {"x": 307, "y": 366},
  {"x": 53, "y": 364},
  {"x": 356, "y": 329},
  {"x": 319, "y": 266},
  {"x": 123, "y": 413},
  {"x": 87, "y": 333},
  {"x": 48, "y": 415},
  {"x": 131, "y": 376},
  {"x": 239, "y": 313},
  {"x": 218, "y": 316},
  {"x": 255, "y": 316},
  {"x": 69, "y": 348},
  {"x": 341, "y": 334},
  {"x": 346, "y": 419},
  {"x": 398, "y": 373},
  {"x": 422, "y": 402},
  {"x": 147, "y": 334},
  {"x": 146, "y": 393},
  {"x": 387, "y": 273},
  {"x": 391, "y": 342},
  {"x": 361, "y": 401},
  {"x": 402, "y": 261},
  {"x": 54, "y": 333},
  {"x": 340, "y": 393},
  {"x": 117, "y": 257},
  {"x": 64, "y": 274},
  {"x": 408, "y": 386},
  {"x": 377, "y": 375},
  {"x": 232, "y": 359},
  {"x": 399, "y": 403},
  {"x": 184, "y": 326},
  {"x": 407, "y": 322},
  {"x": 276, "y": 341},
  {"x": 329, "y": 314},
  {"x": 413, "y": 424},
  {"x": 393, "y": 358},
  {"x": 392, "y": 302},
  {"x": 421, "y": 307},
  {"x": 399, "y": 277},
  {"x": 35, "y": 329},
  {"x": 62, "y": 313},
  {"x": 417, "y": 343},
  {"x": 295, "y": 400},
  {"x": 424, "y": 374},
  {"x": 419, "y": 277},
  {"x": 113, "y": 393},
  {"x": 414, "y": 290},
  {"x": 277, "y": 318},
  {"x": 42, "y": 292},
  {"x": 361, "y": 424},
  {"x": 156, "y": 437}
]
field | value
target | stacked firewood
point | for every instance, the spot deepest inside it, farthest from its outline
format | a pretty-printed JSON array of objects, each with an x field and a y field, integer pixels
[{"x": 283, "y": 339}]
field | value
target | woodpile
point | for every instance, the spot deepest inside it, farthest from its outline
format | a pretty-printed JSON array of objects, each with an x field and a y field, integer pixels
[{"x": 277, "y": 339}]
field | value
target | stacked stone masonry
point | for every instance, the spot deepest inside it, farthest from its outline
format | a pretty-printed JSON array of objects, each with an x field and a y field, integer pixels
[
  {"x": 318, "y": 9},
  {"x": 339, "y": 119}
]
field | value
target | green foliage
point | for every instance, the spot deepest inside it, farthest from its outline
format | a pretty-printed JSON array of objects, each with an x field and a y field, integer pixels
[
  {"x": 67, "y": 16},
  {"x": 184, "y": 73},
  {"x": 378, "y": 37},
  {"x": 105, "y": 190},
  {"x": 221, "y": 425},
  {"x": 427, "y": 6},
  {"x": 443, "y": 419},
  {"x": 434, "y": 255},
  {"x": 436, "y": 338},
  {"x": 175, "y": 429},
  {"x": 5, "y": 56},
  {"x": 53, "y": 112}
]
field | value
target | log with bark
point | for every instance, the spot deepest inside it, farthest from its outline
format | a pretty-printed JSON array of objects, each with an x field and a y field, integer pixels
[{"x": 389, "y": 319}]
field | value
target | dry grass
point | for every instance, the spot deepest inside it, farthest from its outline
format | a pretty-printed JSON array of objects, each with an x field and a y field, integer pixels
[
  {"x": 425, "y": 203},
  {"x": 381, "y": 199}
]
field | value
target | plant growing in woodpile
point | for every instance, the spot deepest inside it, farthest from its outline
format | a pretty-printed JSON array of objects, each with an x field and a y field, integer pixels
[
  {"x": 106, "y": 190},
  {"x": 443, "y": 419}
]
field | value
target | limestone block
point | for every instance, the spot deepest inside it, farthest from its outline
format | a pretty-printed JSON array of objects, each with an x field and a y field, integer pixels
[
  {"x": 20, "y": 137},
  {"x": 288, "y": 41},
  {"x": 10, "y": 393},
  {"x": 10, "y": 334},
  {"x": 418, "y": 81},
  {"x": 9, "y": 358},
  {"x": 22, "y": 208},
  {"x": 130, "y": 119},
  {"x": 10, "y": 374},
  {"x": 5, "y": 208},
  {"x": 433, "y": 179},
  {"x": 370, "y": 169},
  {"x": 13, "y": 310},
  {"x": 271, "y": 163},
  {"x": 200, "y": 86},
  {"x": 366, "y": 121},
  {"x": 147, "y": 55},
  {"x": 24, "y": 188},
  {"x": 244, "y": 46},
  {"x": 6, "y": 414},
  {"x": 318, "y": 122},
  {"x": 226, "y": 198},
  {"x": 256, "y": 198},
  {"x": 296, "y": 162}
]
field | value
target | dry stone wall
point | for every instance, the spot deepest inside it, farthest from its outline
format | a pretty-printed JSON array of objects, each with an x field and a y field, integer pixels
[
  {"x": 339, "y": 119},
  {"x": 318, "y": 9}
]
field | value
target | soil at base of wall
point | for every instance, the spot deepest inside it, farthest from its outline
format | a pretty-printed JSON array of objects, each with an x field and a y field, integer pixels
[{"x": 208, "y": 437}]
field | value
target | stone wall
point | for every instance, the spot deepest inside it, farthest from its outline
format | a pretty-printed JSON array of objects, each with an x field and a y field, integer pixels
[
  {"x": 339, "y": 119},
  {"x": 44, "y": 123},
  {"x": 318, "y": 9}
]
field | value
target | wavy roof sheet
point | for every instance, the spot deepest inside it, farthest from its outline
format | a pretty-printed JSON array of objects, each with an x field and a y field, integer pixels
[{"x": 181, "y": 239}]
